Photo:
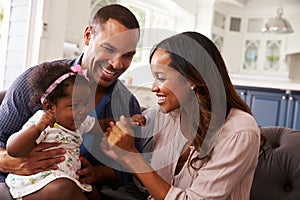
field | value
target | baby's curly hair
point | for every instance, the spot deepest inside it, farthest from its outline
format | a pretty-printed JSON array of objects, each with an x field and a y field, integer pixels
[{"x": 43, "y": 75}]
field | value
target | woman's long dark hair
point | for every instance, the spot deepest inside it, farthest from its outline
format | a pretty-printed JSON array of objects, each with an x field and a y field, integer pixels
[{"x": 200, "y": 62}]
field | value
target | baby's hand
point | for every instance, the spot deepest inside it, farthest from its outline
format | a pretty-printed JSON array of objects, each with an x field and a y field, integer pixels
[
  {"x": 45, "y": 120},
  {"x": 138, "y": 119}
]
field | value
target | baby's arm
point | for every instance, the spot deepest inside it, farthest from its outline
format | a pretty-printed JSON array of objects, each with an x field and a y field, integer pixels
[{"x": 21, "y": 143}]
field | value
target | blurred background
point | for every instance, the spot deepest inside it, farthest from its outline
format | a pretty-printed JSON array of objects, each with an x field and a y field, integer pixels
[
  {"x": 33, "y": 31},
  {"x": 259, "y": 40}
]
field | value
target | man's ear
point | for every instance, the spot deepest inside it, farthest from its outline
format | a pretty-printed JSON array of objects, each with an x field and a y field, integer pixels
[
  {"x": 49, "y": 107},
  {"x": 87, "y": 35}
]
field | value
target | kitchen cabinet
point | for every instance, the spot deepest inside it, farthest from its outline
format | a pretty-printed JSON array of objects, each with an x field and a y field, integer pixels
[
  {"x": 242, "y": 92},
  {"x": 293, "y": 111},
  {"x": 273, "y": 107},
  {"x": 268, "y": 107}
]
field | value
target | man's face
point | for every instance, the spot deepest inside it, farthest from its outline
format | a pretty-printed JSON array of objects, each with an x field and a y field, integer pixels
[{"x": 109, "y": 51}]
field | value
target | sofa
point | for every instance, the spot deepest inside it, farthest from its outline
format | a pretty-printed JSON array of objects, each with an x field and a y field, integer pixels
[
  {"x": 277, "y": 175},
  {"x": 2, "y": 94}
]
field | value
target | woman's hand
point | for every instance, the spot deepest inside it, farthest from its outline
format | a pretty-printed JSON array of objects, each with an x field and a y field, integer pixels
[{"x": 38, "y": 160}]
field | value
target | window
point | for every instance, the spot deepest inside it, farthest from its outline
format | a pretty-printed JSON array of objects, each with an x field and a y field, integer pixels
[
  {"x": 235, "y": 24},
  {"x": 1, "y": 15},
  {"x": 251, "y": 55},
  {"x": 254, "y": 25},
  {"x": 219, "y": 20},
  {"x": 272, "y": 55},
  {"x": 218, "y": 40},
  {"x": 149, "y": 17}
]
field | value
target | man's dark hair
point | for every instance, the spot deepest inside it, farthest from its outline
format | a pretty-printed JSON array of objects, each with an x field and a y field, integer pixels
[{"x": 116, "y": 12}]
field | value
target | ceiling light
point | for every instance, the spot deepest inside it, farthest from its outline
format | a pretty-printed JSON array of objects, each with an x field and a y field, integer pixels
[{"x": 278, "y": 25}]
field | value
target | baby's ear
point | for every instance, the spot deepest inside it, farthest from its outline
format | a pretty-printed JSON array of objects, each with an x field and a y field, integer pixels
[{"x": 49, "y": 107}]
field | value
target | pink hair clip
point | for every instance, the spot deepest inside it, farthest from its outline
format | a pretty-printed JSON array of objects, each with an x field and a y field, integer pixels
[{"x": 78, "y": 69}]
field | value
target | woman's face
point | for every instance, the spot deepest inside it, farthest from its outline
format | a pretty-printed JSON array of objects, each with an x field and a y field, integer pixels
[{"x": 171, "y": 88}]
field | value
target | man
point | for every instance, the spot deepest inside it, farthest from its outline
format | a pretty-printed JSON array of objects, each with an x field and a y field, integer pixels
[{"x": 110, "y": 44}]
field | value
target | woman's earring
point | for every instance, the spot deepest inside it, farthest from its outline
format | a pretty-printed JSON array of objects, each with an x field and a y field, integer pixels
[{"x": 192, "y": 88}]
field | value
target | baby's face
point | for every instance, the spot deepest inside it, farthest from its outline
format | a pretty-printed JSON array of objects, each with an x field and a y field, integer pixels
[{"x": 72, "y": 110}]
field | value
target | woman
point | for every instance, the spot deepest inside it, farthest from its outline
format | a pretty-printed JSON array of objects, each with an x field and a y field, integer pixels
[{"x": 205, "y": 141}]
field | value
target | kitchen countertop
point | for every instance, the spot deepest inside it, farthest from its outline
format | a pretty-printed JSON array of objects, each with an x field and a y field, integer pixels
[
  {"x": 259, "y": 81},
  {"x": 274, "y": 82}
]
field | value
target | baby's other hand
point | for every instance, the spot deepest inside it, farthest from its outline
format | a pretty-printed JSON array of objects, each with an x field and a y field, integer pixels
[{"x": 138, "y": 119}]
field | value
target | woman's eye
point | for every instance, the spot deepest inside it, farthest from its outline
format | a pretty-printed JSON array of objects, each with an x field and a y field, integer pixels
[{"x": 161, "y": 78}]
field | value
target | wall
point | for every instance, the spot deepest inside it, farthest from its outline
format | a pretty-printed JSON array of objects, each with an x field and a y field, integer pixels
[{"x": 78, "y": 16}]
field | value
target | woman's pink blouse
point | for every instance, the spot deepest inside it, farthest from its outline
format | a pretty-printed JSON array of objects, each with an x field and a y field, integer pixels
[{"x": 229, "y": 172}]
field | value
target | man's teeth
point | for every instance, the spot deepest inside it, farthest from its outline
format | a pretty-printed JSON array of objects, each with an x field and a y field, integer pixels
[{"x": 108, "y": 72}]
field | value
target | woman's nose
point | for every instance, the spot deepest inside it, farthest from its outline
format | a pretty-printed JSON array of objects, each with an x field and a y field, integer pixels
[{"x": 154, "y": 87}]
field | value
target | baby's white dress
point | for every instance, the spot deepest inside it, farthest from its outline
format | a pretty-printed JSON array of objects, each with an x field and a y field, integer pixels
[{"x": 71, "y": 140}]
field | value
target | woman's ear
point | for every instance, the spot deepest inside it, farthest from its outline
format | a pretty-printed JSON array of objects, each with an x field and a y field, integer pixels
[
  {"x": 193, "y": 86},
  {"x": 49, "y": 107}
]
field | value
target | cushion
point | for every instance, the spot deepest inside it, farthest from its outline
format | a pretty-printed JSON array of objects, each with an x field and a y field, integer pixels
[{"x": 277, "y": 175}]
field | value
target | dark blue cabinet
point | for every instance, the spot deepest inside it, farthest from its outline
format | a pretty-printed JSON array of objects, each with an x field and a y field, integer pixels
[
  {"x": 272, "y": 107},
  {"x": 242, "y": 93},
  {"x": 293, "y": 111},
  {"x": 268, "y": 108}
]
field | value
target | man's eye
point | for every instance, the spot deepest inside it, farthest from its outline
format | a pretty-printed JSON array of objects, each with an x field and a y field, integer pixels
[
  {"x": 108, "y": 49},
  {"x": 128, "y": 55}
]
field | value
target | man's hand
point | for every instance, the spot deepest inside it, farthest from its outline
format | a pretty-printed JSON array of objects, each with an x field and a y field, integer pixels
[
  {"x": 38, "y": 160},
  {"x": 92, "y": 174}
]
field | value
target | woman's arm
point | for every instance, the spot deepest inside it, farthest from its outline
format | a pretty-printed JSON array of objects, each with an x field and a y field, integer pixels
[
  {"x": 229, "y": 170},
  {"x": 21, "y": 143},
  {"x": 119, "y": 144},
  {"x": 156, "y": 186}
]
